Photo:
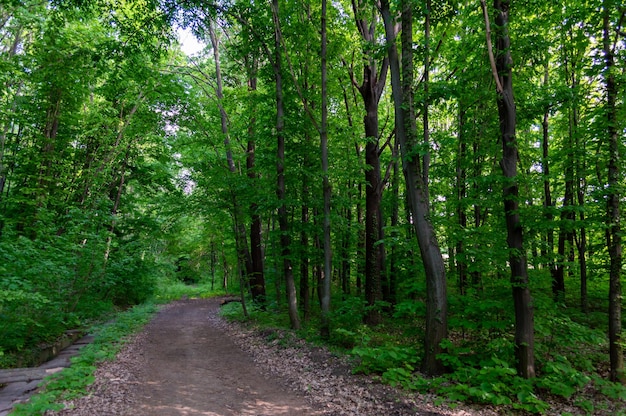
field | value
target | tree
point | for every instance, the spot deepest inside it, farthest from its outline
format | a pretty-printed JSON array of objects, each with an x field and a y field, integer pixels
[
  {"x": 327, "y": 191},
  {"x": 79, "y": 142},
  {"x": 371, "y": 89},
  {"x": 283, "y": 220},
  {"x": 613, "y": 232},
  {"x": 436, "y": 302},
  {"x": 257, "y": 286},
  {"x": 524, "y": 319}
]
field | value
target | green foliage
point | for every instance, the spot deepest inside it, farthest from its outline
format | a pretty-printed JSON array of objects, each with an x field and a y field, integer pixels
[
  {"x": 233, "y": 311},
  {"x": 349, "y": 313},
  {"x": 170, "y": 289},
  {"x": 409, "y": 309},
  {"x": 381, "y": 359},
  {"x": 560, "y": 378},
  {"x": 559, "y": 332},
  {"x": 130, "y": 279},
  {"x": 481, "y": 315},
  {"x": 72, "y": 382},
  {"x": 67, "y": 285},
  {"x": 613, "y": 391}
]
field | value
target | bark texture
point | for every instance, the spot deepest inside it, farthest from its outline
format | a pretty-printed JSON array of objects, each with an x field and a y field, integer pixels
[{"x": 371, "y": 89}]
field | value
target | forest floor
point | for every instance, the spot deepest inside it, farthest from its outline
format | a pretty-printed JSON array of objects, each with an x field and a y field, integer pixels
[{"x": 189, "y": 361}]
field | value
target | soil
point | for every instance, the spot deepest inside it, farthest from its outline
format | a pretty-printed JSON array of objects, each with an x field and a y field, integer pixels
[{"x": 190, "y": 366}]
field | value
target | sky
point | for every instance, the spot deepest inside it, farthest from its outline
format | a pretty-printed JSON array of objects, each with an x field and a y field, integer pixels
[{"x": 189, "y": 44}]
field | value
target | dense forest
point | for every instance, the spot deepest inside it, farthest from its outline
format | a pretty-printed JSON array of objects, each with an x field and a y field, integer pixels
[{"x": 435, "y": 186}]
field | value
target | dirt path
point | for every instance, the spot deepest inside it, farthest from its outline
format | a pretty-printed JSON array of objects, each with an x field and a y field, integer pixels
[
  {"x": 191, "y": 367},
  {"x": 188, "y": 361}
]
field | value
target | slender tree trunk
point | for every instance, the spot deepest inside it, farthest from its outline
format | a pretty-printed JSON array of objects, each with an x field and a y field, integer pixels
[
  {"x": 213, "y": 263},
  {"x": 548, "y": 251},
  {"x": 283, "y": 220},
  {"x": 244, "y": 256},
  {"x": 476, "y": 274},
  {"x": 581, "y": 244},
  {"x": 373, "y": 255},
  {"x": 461, "y": 185},
  {"x": 345, "y": 253},
  {"x": 524, "y": 319},
  {"x": 395, "y": 220},
  {"x": 347, "y": 234},
  {"x": 613, "y": 231},
  {"x": 564, "y": 245},
  {"x": 360, "y": 272},
  {"x": 426, "y": 86},
  {"x": 580, "y": 237},
  {"x": 325, "y": 323},
  {"x": 304, "y": 254},
  {"x": 436, "y": 302},
  {"x": 257, "y": 275}
]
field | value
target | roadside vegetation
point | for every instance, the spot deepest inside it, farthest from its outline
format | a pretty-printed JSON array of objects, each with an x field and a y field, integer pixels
[{"x": 571, "y": 356}]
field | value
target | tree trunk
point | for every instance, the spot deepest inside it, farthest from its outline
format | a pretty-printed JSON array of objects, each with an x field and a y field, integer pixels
[
  {"x": 325, "y": 322},
  {"x": 479, "y": 218},
  {"x": 371, "y": 90},
  {"x": 426, "y": 86},
  {"x": 304, "y": 254},
  {"x": 461, "y": 189},
  {"x": 257, "y": 275},
  {"x": 394, "y": 256},
  {"x": 244, "y": 256},
  {"x": 547, "y": 251},
  {"x": 613, "y": 231},
  {"x": 566, "y": 235},
  {"x": 283, "y": 220},
  {"x": 436, "y": 302},
  {"x": 524, "y": 319}
]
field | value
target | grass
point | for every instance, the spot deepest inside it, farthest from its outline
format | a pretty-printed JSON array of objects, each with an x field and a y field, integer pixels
[{"x": 172, "y": 289}]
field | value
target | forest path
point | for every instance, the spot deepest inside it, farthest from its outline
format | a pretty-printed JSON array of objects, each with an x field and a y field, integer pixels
[
  {"x": 190, "y": 366},
  {"x": 188, "y": 361}
]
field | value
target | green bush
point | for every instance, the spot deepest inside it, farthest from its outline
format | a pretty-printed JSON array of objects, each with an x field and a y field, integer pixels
[
  {"x": 59, "y": 282},
  {"x": 381, "y": 359}
]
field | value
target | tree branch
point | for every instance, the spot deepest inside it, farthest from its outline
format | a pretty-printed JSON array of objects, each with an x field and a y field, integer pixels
[{"x": 492, "y": 59}]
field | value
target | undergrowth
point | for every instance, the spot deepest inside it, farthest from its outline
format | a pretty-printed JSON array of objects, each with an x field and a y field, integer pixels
[
  {"x": 173, "y": 289},
  {"x": 479, "y": 355},
  {"x": 480, "y": 370}
]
